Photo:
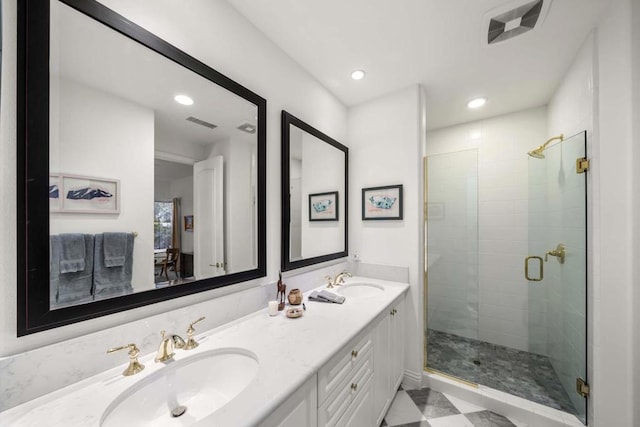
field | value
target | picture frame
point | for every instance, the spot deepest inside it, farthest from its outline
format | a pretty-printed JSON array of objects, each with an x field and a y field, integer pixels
[
  {"x": 323, "y": 206},
  {"x": 382, "y": 203},
  {"x": 83, "y": 194},
  {"x": 54, "y": 193},
  {"x": 188, "y": 223}
]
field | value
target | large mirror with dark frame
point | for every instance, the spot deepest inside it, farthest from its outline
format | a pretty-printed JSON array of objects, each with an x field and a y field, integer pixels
[
  {"x": 141, "y": 170},
  {"x": 314, "y": 195}
]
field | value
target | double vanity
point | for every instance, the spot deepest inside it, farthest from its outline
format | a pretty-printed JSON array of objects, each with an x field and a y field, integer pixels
[{"x": 337, "y": 365}]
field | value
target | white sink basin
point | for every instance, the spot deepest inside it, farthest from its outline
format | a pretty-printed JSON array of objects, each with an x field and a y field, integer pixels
[
  {"x": 202, "y": 383},
  {"x": 359, "y": 290}
]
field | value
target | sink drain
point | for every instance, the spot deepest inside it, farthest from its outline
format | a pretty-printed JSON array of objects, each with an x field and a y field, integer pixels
[{"x": 178, "y": 411}]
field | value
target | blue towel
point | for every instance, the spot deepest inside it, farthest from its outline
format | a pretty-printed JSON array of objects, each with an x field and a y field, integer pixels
[
  {"x": 72, "y": 253},
  {"x": 70, "y": 288},
  {"x": 112, "y": 281},
  {"x": 115, "y": 249}
]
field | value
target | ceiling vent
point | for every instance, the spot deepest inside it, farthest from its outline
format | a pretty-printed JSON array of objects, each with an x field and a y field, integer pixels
[
  {"x": 201, "y": 122},
  {"x": 247, "y": 127},
  {"x": 513, "y": 19}
]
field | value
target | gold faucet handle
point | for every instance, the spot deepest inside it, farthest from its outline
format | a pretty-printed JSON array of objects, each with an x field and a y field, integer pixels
[
  {"x": 329, "y": 281},
  {"x": 134, "y": 366},
  {"x": 559, "y": 252},
  {"x": 191, "y": 342}
]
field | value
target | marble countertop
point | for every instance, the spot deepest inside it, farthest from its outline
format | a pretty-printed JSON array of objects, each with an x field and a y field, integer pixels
[{"x": 289, "y": 352}]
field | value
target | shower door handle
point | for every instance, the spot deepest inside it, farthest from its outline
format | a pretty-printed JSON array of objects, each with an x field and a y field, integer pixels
[{"x": 526, "y": 269}]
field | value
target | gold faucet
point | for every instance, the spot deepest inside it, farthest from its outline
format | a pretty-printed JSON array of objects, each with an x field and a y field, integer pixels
[
  {"x": 134, "y": 366},
  {"x": 192, "y": 343},
  {"x": 167, "y": 345},
  {"x": 340, "y": 278}
]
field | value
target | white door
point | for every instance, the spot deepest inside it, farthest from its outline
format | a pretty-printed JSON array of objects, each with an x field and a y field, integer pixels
[{"x": 208, "y": 229}]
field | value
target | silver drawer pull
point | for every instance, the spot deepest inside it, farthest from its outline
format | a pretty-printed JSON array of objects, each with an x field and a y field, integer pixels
[
  {"x": 354, "y": 386},
  {"x": 354, "y": 353}
]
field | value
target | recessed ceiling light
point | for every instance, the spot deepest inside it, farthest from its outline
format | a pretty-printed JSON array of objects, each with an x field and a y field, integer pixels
[
  {"x": 183, "y": 99},
  {"x": 357, "y": 75},
  {"x": 477, "y": 103}
]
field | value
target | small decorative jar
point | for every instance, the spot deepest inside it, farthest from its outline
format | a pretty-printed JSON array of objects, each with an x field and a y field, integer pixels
[{"x": 295, "y": 297}]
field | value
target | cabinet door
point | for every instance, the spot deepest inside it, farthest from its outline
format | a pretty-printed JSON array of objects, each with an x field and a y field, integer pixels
[
  {"x": 381, "y": 369},
  {"x": 397, "y": 345},
  {"x": 301, "y": 409},
  {"x": 360, "y": 412}
]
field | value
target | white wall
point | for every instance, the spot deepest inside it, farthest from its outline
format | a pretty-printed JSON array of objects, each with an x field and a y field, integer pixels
[
  {"x": 216, "y": 34},
  {"x": 613, "y": 335},
  {"x": 385, "y": 137},
  {"x": 635, "y": 52},
  {"x": 183, "y": 189},
  {"x": 501, "y": 306},
  {"x": 161, "y": 190},
  {"x": 85, "y": 142},
  {"x": 321, "y": 237},
  {"x": 295, "y": 194}
]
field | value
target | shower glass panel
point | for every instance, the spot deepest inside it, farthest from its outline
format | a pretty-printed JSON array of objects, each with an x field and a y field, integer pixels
[
  {"x": 452, "y": 263},
  {"x": 557, "y": 303}
]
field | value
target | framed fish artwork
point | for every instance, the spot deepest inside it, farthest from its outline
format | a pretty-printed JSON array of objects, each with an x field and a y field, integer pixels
[
  {"x": 382, "y": 203},
  {"x": 323, "y": 206},
  {"x": 84, "y": 194}
]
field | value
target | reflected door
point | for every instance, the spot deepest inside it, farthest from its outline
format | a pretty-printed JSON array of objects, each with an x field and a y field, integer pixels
[
  {"x": 208, "y": 234},
  {"x": 557, "y": 270}
]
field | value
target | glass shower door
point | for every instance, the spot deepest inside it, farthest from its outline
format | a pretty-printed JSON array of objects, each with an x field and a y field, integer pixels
[
  {"x": 557, "y": 272},
  {"x": 451, "y": 275}
]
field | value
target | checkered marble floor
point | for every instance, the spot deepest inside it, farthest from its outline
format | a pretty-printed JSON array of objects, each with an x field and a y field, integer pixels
[{"x": 429, "y": 408}]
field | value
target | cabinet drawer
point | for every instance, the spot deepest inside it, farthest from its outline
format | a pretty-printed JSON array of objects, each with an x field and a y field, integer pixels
[
  {"x": 359, "y": 413},
  {"x": 335, "y": 372},
  {"x": 343, "y": 397}
]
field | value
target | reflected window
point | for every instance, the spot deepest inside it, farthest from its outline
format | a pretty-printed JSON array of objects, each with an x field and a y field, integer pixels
[{"x": 162, "y": 224}]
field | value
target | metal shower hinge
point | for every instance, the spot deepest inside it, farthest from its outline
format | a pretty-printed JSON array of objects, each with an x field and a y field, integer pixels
[
  {"x": 582, "y": 165},
  {"x": 582, "y": 388}
]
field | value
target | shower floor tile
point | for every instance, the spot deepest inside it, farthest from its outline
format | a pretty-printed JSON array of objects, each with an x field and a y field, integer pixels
[{"x": 520, "y": 373}]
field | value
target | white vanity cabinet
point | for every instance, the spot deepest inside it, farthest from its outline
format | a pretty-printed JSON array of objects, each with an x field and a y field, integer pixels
[
  {"x": 388, "y": 344},
  {"x": 299, "y": 410},
  {"x": 344, "y": 384}
]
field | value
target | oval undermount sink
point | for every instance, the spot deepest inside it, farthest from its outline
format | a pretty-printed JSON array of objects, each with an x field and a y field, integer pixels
[
  {"x": 184, "y": 391},
  {"x": 358, "y": 290}
]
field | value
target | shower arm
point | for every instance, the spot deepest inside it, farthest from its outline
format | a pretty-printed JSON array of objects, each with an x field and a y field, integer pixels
[{"x": 541, "y": 148}]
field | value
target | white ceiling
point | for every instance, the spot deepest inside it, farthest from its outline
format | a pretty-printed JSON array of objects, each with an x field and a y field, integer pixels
[
  {"x": 89, "y": 53},
  {"x": 436, "y": 43}
]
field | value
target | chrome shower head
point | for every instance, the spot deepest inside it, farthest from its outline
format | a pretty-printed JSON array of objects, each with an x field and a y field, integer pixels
[{"x": 538, "y": 152}]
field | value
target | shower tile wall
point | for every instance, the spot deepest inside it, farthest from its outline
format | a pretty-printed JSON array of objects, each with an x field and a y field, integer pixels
[
  {"x": 452, "y": 256},
  {"x": 502, "y": 291}
]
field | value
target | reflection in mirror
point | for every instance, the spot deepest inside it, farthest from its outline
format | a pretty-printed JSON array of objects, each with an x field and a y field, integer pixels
[
  {"x": 314, "y": 176},
  {"x": 210, "y": 131},
  {"x": 156, "y": 169}
]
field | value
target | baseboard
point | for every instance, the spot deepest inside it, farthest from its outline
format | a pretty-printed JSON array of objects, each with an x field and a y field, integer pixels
[{"x": 411, "y": 379}]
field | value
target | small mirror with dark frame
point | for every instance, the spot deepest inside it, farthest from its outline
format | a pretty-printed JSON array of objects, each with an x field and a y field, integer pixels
[
  {"x": 314, "y": 195},
  {"x": 129, "y": 193}
]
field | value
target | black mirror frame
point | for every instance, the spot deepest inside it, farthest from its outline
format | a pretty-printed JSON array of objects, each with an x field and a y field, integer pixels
[
  {"x": 33, "y": 313},
  {"x": 288, "y": 119}
]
